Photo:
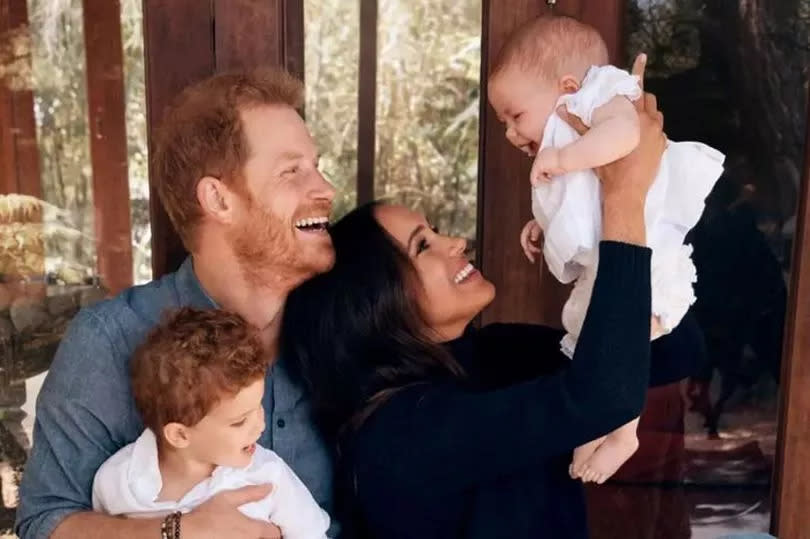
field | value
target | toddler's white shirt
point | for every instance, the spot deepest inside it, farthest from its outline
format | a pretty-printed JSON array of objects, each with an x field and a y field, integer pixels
[
  {"x": 569, "y": 209},
  {"x": 128, "y": 484}
]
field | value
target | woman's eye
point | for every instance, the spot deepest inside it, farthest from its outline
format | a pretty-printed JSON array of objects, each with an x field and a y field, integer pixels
[{"x": 423, "y": 244}]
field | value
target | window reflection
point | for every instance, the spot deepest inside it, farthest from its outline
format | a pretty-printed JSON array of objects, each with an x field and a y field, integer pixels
[
  {"x": 707, "y": 445},
  {"x": 48, "y": 266}
]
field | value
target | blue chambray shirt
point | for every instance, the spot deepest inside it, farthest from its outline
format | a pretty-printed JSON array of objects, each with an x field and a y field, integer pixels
[{"x": 85, "y": 411}]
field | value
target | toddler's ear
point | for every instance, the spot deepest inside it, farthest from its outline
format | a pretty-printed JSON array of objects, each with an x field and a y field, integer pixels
[
  {"x": 177, "y": 435},
  {"x": 568, "y": 84}
]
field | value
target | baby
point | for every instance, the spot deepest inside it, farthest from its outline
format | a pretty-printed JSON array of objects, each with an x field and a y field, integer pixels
[
  {"x": 198, "y": 382},
  {"x": 557, "y": 61}
]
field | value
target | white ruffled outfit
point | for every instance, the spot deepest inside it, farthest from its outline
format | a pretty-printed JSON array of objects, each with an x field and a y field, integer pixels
[
  {"x": 568, "y": 208},
  {"x": 128, "y": 484}
]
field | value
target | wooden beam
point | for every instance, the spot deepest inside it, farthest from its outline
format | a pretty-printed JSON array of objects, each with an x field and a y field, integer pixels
[
  {"x": 294, "y": 37},
  {"x": 252, "y": 34},
  {"x": 189, "y": 40},
  {"x": 178, "y": 51},
  {"x": 19, "y": 154},
  {"x": 526, "y": 293},
  {"x": 791, "y": 486},
  {"x": 108, "y": 141},
  {"x": 367, "y": 102},
  {"x": 248, "y": 34}
]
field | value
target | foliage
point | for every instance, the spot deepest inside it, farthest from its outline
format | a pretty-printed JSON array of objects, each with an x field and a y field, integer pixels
[{"x": 428, "y": 71}]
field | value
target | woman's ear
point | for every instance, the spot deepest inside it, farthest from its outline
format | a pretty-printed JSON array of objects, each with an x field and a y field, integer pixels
[
  {"x": 216, "y": 200},
  {"x": 568, "y": 84},
  {"x": 177, "y": 435}
]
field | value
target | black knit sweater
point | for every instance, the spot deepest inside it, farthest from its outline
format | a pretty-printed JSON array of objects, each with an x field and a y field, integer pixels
[{"x": 487, "y": 457}]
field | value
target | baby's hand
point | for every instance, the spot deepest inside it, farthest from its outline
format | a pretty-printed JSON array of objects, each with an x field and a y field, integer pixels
[
  {"x": 546, "y": 164},
  {"x": 529, "y": 239}
]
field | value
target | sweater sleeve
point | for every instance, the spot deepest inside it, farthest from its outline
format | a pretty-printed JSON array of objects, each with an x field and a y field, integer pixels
[{"x": 447, "y": 438}]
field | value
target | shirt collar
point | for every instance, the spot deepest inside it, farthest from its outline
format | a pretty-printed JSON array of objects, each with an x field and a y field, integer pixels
[
  {"x": 144, "y": 471},
  {"x": 189, "y": 289}
]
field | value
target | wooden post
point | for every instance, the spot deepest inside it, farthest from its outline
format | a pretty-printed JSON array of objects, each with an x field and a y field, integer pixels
[
  {"x": 367, "y": 102},
  {"x": 791, "y": 485},
  {"x": 187, "y": 41},
  {"x": 178, "y": 51},
  {"x": 19, "y": 154},
  {"x": 526, "y": 293},
  {"x": 108, "y": 141}
]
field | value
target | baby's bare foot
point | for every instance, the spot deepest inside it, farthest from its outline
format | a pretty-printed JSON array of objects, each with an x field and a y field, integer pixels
[
  {"x": 608, "y": 458},
  {"x": 581, "y": 456}
]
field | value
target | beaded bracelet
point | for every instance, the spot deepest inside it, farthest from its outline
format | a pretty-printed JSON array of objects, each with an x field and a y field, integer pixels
[{"x": 170, "y": 527}]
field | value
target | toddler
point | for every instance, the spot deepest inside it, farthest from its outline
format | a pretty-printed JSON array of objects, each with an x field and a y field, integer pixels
[
  {"x": 554, "y": 61},
  {"x": 198, "y": 383}
]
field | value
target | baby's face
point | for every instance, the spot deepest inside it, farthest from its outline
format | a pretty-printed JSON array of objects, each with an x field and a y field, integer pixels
[
  {"x": 227, "y": 436},
  {"x": 523, "y": 103}
]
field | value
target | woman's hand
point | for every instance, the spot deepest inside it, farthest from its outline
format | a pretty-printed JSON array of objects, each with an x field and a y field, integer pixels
[{"x": 625, "y": 182}]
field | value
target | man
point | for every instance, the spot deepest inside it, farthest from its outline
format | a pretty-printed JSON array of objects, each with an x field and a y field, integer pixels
[{"x": 237, "y": 171}]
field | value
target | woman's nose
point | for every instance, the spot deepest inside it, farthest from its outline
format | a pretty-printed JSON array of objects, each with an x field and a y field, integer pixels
[{"x": 458, "y": 246}]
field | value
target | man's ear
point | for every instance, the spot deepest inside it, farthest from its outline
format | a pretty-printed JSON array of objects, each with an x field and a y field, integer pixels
[
  {"x": 216, "y": 200},
  {"x": 568, "y": 84},
  {"x": 177, "y": 435}
]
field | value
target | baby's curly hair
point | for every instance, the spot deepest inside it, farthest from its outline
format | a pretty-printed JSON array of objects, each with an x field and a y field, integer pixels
[{"x": 192, "y": 360}]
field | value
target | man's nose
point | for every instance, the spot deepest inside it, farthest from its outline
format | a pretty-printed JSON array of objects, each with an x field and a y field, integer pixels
[{"x": 323, "y": 189}]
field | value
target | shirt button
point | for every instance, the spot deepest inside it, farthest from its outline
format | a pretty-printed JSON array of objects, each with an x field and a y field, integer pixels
[{"x": 280, "y": 423}]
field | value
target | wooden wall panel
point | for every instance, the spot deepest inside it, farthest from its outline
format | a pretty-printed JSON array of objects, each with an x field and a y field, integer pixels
[
  {"x": 248, "y": 34},
  {"x": 189, "y": 40},
  {"x": 503, "y": 190},
  {"x": 178, "y": 50},
  {"x": 791, "y": 487},
  {"x": 108, "y": 141},
  {"x": 367, "y": 102},
  {"x": 19, "y": 154},
  {"x": 526, "y": 293}
]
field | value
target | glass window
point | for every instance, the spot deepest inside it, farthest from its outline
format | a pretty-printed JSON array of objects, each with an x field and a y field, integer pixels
[
  {"x": 48, "y": 260},
  {"x": 331, "y": 64},
  {"x": 428, "y": 73},
  {"x": 707, "y": 445},
  {"x": 427, "y": 86}
]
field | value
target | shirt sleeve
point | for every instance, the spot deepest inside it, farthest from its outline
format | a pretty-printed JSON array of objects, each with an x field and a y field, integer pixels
[
  {"x": 450, "y": 439},
  {"x": 80, "y": 409},
  {"x": 295, "y": 510}
]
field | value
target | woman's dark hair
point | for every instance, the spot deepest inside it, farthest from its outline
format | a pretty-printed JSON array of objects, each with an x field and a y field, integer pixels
[{"x": 353, "y": 336}]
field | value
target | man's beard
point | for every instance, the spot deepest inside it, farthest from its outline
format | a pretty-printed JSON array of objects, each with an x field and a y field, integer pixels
[{"x": 268, "y": 253}]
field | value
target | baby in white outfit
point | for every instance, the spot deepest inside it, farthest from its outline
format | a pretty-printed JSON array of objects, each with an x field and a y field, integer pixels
[
  {"x": 198, "y": 383},
  {"x": 558, "y": 61}
]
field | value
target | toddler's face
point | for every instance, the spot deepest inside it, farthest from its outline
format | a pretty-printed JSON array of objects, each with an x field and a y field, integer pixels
[
  {"x": 227, "y": 435},
  {"x": 523, "y": 102}
]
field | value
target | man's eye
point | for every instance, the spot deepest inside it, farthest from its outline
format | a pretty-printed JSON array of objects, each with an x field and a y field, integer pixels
[{"x": 291, "y": 170}]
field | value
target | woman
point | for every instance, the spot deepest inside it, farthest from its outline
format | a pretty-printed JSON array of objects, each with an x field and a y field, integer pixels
[{"x": 444, "y": 431}]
